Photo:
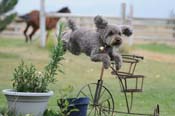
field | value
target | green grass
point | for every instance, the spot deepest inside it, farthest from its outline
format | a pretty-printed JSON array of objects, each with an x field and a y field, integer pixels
[
  {"x": 79, "y": 70},
  {"x": 155, "y": 47}
]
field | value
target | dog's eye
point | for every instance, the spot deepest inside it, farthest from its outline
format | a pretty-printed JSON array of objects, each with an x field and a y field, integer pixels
[{"x": 110, "y": 33}]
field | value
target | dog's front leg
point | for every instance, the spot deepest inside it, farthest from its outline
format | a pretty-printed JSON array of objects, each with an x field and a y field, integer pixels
[
  {"x": 118, "y": 59},
  {"x": 103, "y": 57}
]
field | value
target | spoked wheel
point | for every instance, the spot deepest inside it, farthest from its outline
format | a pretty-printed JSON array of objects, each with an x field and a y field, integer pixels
[
  {"x": 156, "y": 111},
  {"x": 103, "y": 105}
]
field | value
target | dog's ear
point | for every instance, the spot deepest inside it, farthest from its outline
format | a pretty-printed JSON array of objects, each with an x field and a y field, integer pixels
[
  {"x": 100, "y": 22},
  {"x": 126, "y": 30}
]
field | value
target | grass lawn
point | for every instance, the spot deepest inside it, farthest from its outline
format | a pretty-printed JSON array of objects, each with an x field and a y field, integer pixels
[
  {"x": 160, "y": 48},
  {"x": 79, "y": 70}
]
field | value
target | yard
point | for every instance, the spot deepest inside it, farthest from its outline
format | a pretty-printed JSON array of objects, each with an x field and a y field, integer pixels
[{"x": 79, "y": 70}]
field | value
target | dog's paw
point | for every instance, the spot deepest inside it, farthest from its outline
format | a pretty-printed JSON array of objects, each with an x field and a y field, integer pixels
[
  {"x": 118, "y": 65},
  {"x": 106, "y": 61},
  {"x": 106, "y": 64}
]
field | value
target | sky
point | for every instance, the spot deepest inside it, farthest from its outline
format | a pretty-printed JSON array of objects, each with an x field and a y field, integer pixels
[{"x": 142, "y": 8}]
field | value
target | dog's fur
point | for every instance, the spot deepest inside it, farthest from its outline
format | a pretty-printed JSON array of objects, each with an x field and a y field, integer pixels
[{"x": 100, "y": 45}]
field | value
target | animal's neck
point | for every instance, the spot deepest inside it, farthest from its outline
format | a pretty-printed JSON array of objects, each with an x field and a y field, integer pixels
[
  {"x": 101, "y": 37},
  {"x": 64, "y": 10}
]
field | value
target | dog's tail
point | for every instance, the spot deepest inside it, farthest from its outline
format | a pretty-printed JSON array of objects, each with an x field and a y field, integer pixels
[{"x": 72, "y": 25}]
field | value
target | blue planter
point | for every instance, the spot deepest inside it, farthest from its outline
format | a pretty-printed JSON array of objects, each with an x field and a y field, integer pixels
[{"x": 80, "y": 104}]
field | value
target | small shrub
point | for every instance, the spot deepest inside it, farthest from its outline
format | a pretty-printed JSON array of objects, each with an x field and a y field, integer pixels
[{"x": 28, "y": 79}]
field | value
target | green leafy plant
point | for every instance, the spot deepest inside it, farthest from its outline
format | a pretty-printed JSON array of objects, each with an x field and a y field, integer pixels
[
  {"x": 5, "y": 112},
  {"x": 51, "y": 112},
  {"x": 63, "y": 104},
  {"x": 5, "y": 16},
  {"x": 28, "y": 79}
]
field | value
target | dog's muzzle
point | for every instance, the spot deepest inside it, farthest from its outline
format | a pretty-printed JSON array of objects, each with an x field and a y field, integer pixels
[{"x": 116, "y": 41}]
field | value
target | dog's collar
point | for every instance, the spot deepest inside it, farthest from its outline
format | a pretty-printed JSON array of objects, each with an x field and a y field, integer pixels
[{"x": 103, "y": 48}]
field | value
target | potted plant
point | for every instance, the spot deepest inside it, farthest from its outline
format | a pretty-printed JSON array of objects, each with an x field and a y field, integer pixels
[
  {"x": 68, "y": 105},
  {"x": 30, "y": 91},
  {"x": 73, "y": 106}
]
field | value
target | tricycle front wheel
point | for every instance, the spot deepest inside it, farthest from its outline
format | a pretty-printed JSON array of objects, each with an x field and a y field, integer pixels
[{"x": 105, "y": 104}]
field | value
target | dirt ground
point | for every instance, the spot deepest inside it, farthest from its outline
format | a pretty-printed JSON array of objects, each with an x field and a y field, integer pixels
[{"x": 156, "y": 56}]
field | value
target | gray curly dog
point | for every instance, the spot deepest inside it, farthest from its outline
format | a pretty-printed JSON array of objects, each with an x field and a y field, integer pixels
[{"x": 101, "y": 45}]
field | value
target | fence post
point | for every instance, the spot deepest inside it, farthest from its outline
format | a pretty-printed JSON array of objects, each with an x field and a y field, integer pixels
[
  {"x": 123, "y": 12},
  {"x": 42, "y": 24},
  {"x": 131, "y": 12}
]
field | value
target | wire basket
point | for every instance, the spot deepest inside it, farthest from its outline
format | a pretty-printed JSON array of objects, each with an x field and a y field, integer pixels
[{"x": 131, "y": 82}]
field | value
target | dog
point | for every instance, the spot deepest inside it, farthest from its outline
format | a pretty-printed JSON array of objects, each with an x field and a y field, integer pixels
[{"x": 100, "y": 45}]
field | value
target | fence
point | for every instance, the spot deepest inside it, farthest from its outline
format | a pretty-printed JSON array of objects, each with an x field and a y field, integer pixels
[
  {"x": 144, "y": 28},
  {"x": 152, "y": 29}
]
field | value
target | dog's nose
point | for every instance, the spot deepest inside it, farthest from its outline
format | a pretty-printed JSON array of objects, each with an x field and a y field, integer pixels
[{"x": 118, "y": 39}]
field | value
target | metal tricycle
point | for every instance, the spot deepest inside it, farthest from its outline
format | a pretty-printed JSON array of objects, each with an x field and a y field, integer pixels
[{"x": 101, "y": 99}]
